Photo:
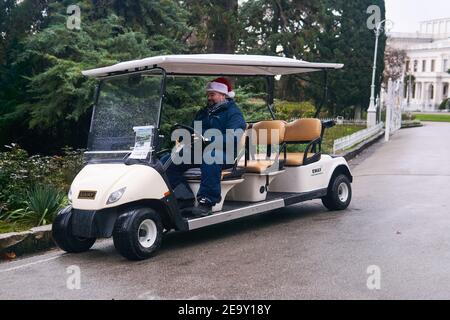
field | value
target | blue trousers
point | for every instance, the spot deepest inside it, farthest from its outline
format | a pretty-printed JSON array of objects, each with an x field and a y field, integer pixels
[{"x": 210, "y": 180}]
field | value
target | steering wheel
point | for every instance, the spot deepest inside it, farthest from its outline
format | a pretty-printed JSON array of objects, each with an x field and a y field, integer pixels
[{"x": 190, "y": 129}]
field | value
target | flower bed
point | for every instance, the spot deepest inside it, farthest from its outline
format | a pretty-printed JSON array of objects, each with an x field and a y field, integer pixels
[{"x": 33, "y": 189}]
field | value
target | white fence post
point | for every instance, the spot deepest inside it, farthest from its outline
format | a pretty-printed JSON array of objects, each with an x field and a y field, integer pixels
[
  {"x": 387, "y": 130},
  {"x": 390, "y": 98},
  {"x": 357, "y": 137},
  {"x": 393, "y": 107}
]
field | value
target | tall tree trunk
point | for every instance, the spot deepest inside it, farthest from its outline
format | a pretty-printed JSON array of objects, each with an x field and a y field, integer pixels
[{"x": 224, "y": 26}]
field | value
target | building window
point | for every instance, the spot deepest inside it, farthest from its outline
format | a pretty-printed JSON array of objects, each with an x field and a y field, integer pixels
[
  {"x": 433, "y": 62},
  {"x": 431, "y": 92},
  {"x": 445, "y": 64},
  {"x": 415, "y": 65},
  {"x": 424, "y": 65},
  {"x": 407, "y": 66}
]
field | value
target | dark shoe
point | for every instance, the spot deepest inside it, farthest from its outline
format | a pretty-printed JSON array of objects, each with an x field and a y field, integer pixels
[{"x": 203, "y": 209}]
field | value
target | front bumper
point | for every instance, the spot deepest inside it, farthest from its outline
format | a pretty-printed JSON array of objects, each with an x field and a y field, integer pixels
[{"x": 93, "y": 224}]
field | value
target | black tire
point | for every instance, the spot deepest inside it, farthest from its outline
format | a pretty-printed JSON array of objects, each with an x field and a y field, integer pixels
[
  {"x": 130, "y": 233},
  {"x": 62, "y": 234},
  {"x": 339, "y": 194}
]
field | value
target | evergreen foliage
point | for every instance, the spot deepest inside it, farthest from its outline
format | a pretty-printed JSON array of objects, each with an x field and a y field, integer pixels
[{"x": 45, "y": 102}]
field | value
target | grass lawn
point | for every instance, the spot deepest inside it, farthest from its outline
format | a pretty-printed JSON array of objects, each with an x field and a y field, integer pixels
[
  {"x": 433, "y": 117},
  {"x": 6, "y": 227},
  {"x": 331, "y": 134},
  {"x": 337, "y": 132}
]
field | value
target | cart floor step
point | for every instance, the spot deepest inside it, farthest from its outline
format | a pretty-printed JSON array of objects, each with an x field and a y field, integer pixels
[{"x": 238, "y": 209}]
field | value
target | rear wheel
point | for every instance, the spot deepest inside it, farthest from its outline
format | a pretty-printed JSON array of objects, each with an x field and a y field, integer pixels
[
  {"x": 339, "y": 194},
  {"x": 138, "y": 233},
  {"x": 62, "y": 234}
]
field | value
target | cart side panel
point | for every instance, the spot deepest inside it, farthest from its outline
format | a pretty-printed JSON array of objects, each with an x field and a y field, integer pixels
[{"x": 312, "y": 177}]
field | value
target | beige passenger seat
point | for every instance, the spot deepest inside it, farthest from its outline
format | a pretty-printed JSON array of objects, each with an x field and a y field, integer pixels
[
  {"x": 303, "y": 131},
  {"x": 267, "y": 133}
]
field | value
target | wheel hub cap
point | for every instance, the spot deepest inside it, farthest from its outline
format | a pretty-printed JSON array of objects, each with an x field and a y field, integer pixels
[
  {"x": 343, "y": 192},
  {"x": 147, "y": 233}
]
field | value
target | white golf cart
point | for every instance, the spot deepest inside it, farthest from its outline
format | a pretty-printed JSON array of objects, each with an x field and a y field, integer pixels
[{"x": 123, "y": 190}]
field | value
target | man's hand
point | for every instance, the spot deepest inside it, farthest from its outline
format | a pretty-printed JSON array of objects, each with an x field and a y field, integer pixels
[{"x": 196, "y": 137}]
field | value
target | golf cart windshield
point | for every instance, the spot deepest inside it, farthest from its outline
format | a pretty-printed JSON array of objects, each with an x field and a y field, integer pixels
[{"x": 123, "y": 103}]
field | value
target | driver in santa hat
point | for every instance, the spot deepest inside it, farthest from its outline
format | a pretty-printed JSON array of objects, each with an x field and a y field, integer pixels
[{"x": 223, "y": 114}]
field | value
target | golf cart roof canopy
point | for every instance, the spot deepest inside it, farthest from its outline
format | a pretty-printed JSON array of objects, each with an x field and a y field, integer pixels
[{"x": 214, "y": 64}]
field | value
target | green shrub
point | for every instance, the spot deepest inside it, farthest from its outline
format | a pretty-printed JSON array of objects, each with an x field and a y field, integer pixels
[
  {"x": 253, "y": 105},
  {"x": 408, "y": 116},
  {"x": 14, "y": 177},
  {"x": 40, "y": 206},
  {"x": 288, "y": 111},
  {"x": 445, "y": 104},
  {"x": 19, "y": 173}
]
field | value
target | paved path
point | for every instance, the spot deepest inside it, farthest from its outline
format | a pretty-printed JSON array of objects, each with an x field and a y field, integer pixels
[{"x": 399, "y": 220}]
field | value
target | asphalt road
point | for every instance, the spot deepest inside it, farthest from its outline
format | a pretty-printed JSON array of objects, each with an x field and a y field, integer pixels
[{"x": 398, "y": 221}]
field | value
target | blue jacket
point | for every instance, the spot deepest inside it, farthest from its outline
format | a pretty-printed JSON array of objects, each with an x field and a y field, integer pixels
[{"x": 227, "y": 116}]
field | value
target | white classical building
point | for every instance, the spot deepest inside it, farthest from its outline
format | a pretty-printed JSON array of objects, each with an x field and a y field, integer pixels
[{"x": 428, "y": 52}]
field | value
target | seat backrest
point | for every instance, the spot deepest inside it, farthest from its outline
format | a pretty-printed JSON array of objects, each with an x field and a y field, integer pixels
[
  {"x": 268, "y": 132},
  {"x": 303, "y": 130}
]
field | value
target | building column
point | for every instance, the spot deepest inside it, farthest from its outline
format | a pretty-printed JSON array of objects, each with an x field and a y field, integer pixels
[
  {"x": 414, "y": 92},
  {"x": 438, "y": 94},
  {"x": 416, "y": 95},
  {"x": 424, "y": 97},
  {"x": 432, "y": 92}
]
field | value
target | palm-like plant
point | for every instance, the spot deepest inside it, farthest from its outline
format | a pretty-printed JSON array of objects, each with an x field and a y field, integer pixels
[{"x": 41, "y": 205}]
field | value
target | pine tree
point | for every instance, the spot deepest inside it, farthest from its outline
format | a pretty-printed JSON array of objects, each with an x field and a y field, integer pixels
[
  {"x": 53, "y": 109},
  {"x": 283, "y": 28},
  {"x": 214, "y": 26},
  {"x": 322, "y": 31},
  {"x": 347, "y": 39},
  {"x": 17, "y": 22},
  {"x": 45, "y": 97}
]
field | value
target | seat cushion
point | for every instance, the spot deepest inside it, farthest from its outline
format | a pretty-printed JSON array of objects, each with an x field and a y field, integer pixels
[
  {"x": 228, "y": 174},
  {"x": 260, "y": 166},
  {"x": 295, "y": 159}
]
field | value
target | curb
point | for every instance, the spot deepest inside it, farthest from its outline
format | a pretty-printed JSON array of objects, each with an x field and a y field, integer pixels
[
  {"x": 34, "y": 240},
  {"x": 407, "y": 125},
  {"x": 350, "y": 154}
]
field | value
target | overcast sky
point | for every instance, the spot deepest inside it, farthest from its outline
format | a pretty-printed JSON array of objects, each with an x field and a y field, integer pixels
[{"x": 406, "y": 14}]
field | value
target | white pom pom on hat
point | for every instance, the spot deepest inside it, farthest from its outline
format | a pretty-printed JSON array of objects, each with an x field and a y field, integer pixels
[{"x": 221, "y": 85}]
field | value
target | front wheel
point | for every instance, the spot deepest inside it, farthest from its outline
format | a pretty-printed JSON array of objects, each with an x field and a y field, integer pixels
[
  {"x": 138, "y": 233},
  {"x": 339, "y": 193},
  {"x": 62, "y": 234}
]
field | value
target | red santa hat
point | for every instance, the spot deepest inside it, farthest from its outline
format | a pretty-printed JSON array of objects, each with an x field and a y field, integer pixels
[{"x": 221, "y": 85}]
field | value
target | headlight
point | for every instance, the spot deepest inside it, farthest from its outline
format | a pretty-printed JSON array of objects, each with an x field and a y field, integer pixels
[
  {"x": 115, "y": 196},
  {"x": 69, "y": 195}
]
